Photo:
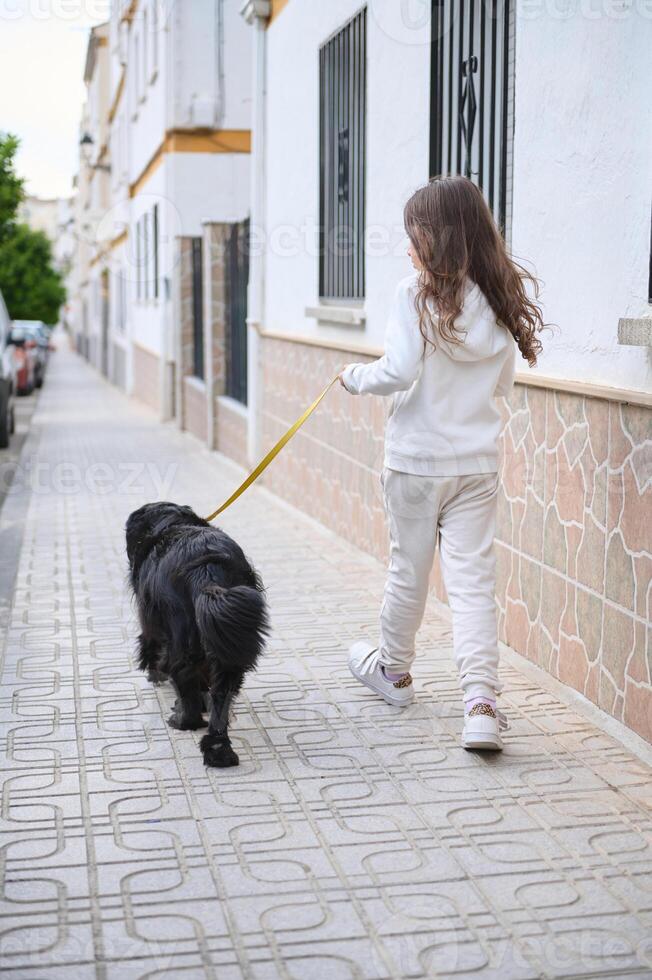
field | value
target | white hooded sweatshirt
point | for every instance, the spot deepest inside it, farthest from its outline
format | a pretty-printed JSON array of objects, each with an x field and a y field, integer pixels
[{"x": 443, "y": 420}]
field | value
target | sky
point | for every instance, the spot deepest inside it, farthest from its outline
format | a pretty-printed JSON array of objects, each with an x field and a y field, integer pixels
[{"x": 43, "y": 50}]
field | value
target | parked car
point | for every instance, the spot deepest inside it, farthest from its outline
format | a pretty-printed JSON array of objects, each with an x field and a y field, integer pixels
[
  {"x": 25, "y": 355},
  {"x": 37, "y": 336},
  {"x": 7, "y": 378}
]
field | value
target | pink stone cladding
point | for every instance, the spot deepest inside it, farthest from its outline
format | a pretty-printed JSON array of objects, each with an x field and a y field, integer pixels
[
  {"x": 194, "y": 409},
  {"x": 574, "y": 530},
  {"x": 231, "y": 435},
  {"x": 146, "y": 376}
]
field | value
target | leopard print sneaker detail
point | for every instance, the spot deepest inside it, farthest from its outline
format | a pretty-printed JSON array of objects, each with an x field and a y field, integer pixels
[
  {"x": 482, "y": 709},
  {"x": 403, "y": 681}
]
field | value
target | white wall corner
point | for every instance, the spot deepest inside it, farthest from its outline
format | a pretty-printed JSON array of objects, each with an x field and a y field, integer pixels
[{"x": 255, "y": 9}]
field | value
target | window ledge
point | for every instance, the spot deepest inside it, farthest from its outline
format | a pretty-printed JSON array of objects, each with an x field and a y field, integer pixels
[
  {"x": 194, "y": 382},
  {"x": 351, "y": 315},
  {"x": 635, "y": 331},
  {"x": 234, "y": 405}
]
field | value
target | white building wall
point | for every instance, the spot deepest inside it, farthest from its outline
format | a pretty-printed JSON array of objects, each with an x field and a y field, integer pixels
[
  {"x": 581, "y": 211},
  {"x": 397, "y": 161},
  {"x": 208, "y": 187},
  {"x": 236, "y": 53},
  {"x": 146, "y": 94},
  {"x": 211, "y": 68},
  {"x": 188, "y": 90},
  {"x": 583, "y": 147},
  {"x": 41, "y": 214},
  {"x": 97, "y": 200},
  {"x": 146, "y": 314}
]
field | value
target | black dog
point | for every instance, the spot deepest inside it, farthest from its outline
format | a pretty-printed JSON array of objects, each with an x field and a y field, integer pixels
[{"x": 202, "y": 613}]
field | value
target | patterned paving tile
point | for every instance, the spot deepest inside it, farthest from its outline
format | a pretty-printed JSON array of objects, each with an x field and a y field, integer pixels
[{"x": 354, "y": 841}]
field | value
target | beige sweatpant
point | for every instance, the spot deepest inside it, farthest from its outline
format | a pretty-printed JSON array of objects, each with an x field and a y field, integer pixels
[{"x": 460, "y": 511}]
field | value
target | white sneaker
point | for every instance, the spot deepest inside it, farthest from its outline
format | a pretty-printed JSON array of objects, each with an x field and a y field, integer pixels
[
  {"x": 482, "y": 728},
  {"x": 365, "y": 667}
]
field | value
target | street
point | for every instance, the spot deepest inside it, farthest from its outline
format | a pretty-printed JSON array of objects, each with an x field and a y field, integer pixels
[{"x": 353, "y": 841}]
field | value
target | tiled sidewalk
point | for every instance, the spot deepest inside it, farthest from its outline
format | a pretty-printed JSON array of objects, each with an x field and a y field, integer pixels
[{"x": 353, "y": 841}]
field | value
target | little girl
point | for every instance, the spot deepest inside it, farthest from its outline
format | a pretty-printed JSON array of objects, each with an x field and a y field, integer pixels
[{"x": 449, "y": 351}]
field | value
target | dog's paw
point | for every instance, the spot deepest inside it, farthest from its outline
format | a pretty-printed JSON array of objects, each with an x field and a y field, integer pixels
[
  {"x": 156, "y": 677},
  {"x": 218, "y": 753},
  {"x": 185, "y": 724}
]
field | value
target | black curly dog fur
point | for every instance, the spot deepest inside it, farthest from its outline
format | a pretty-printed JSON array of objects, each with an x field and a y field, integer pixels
[{"x": 203, "y": 616}]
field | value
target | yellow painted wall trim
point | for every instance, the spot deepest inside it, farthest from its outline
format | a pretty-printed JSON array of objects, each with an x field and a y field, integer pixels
[
  {"x": 118, "y": 240},
  {"x": 208, "y": 141},
  {"x": 130, "y": 12},
  {"x": 586, "y": 388},
  {"x": 150, "y": 168},
  {"x": 277, "y": 7},
  {"x": 117, "y": 97},
  {"x": 194, "y": 141}
]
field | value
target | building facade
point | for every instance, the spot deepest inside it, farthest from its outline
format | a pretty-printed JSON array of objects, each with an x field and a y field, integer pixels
[
  {"x": 41, "y": 214},
  {"x": 54, "y": 216},
  {"x": 548, "y": 109},
  {"x": 164, "y": 175},
  {"x": 251, "y": 278}
]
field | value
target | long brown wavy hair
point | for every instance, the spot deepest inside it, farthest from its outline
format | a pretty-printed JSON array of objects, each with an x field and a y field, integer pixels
[{"x": 456, "y": 238}]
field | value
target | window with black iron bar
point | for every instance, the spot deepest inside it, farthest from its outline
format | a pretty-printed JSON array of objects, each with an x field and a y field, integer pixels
[
  {"x": 342, "y": 165},
  {"x": 155, "y": 244},
  {"x": 147, "y": 255},
  {"x": 139, "y": 260},
  {"x": 472, "y": 90},
  {"x": 237, "y": 277},
  {"x": 649, "y": 282},
  {"x": 197, "y": 309}
]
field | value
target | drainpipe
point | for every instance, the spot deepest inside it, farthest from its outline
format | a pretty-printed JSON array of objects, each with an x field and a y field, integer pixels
[
  {"x": 220, "y": 98},
  {"x": 169, "y": 303},
  {"x": 208, "y": 233},
  {"x": 256, "y": 13}
]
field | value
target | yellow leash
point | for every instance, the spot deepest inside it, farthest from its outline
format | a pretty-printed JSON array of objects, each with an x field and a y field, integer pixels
[{"x": 274, "y": 451}]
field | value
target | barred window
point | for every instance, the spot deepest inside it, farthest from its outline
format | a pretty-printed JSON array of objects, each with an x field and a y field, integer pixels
[
  {"x": 342, "y": 77},
  {"x": 197, "y": 308},
  {"x": 237, "y": 277},
  {"x": 472, "y": 86}
]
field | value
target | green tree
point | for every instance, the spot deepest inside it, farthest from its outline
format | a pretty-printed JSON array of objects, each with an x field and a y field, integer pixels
[
  {"x": 31, "y": 286},
  {"x": 11, "y": 186}
]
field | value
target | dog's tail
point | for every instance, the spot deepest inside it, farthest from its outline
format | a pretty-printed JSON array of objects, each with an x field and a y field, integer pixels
[{"x": 233, "y": 624}]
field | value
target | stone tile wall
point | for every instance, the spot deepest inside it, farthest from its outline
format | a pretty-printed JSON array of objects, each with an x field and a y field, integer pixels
[
  {"x": 185, "y": 312},
  {"x": 146, "y": 376},
  {"x": 194, "y": 408},
  {"x": 202, "y": 412},
  {"x": 231, "y": 431},
  {"x": 229, "y": 425},
  {"x": 573, "y": 542},
  {"x": 215, "y": 236},
  {"x": 119, "y": 367}
]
